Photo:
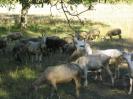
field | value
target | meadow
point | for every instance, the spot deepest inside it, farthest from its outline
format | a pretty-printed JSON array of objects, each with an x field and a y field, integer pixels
[{"x": 15, "y": 80}]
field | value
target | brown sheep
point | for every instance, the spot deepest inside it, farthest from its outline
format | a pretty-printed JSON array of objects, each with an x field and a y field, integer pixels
[
  {"x": 93, "y": 34},
  {"x": 59, "y": 74},
  {"x": 113, "y": 32}
]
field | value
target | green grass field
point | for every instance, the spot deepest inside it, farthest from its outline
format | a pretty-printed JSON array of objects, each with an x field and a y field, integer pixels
[{"x": 15, "y": 81}]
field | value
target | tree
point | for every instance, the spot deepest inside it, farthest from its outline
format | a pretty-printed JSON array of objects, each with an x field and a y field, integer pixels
[{"x": 26, "y": 4}]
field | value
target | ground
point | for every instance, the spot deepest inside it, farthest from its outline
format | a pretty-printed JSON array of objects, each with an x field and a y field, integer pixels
[{"x": 15, "y": 81}]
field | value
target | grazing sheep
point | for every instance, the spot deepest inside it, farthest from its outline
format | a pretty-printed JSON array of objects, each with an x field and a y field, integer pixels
[
  {"x": 113, "y": 32},
  {"x": 83, "y": 35},
  {"x": 54, "y": 43},
  {"x": 14, "y": 36},
  {"x": 93, "y": 34},
  {"x": 94, "y": 62},
  {"x": 129, "y": 59},
  {"x": 60, "y": 74}
]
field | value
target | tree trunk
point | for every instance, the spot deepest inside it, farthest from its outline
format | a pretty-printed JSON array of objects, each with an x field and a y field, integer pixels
[{"x": 24, "y": 12}]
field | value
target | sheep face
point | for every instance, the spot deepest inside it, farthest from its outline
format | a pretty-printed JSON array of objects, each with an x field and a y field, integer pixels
[
  {"x": 80, "y": 44},
  {"x": 128, "y": 56}
]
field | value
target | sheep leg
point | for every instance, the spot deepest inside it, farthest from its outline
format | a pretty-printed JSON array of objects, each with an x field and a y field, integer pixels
[
  {"x": 100, "y": 76},
  {"x": 96, "y": 75},
  {"x": 85, "y": 76},
  {"x": 131, "y": 86},
  {"x": 99, "y": 73},
  {"x": 111, "y": 37},
  {"x": 77, "y": 83},
  {"x": 37, "y": 56},
  {"x": 116, "y": 72},
  {"x": 110, "y": 73},
  {"x": 119, "y": 36},
  {"x": 54, "y": 91},
  {"x": 40, "y": 58}
]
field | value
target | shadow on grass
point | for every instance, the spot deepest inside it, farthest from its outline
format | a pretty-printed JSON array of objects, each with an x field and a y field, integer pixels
[{"x": 120, "y": 44}]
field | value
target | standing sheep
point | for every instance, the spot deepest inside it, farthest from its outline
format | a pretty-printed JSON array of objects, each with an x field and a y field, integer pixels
[
  {"x": 115, "y": 54},
  {"x": 94, "y": 62},
  {"x": 113, "y": 32},
  {"x": 59, "y": 74}
]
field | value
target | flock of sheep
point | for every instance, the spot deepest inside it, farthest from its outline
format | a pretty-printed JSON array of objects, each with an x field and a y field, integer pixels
[{"x": 87, "y": 60}]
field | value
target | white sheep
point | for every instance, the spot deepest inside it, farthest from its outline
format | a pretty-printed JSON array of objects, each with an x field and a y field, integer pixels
[
  {"x": 129, "y": 59},
  {"x": 34, "y": 48},
  {"x": 115, "y": 55},
  {"x": 94, "y": 62}
]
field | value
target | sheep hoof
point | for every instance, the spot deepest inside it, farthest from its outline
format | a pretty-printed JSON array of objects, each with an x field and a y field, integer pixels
[{"x": 85, "y": 84}]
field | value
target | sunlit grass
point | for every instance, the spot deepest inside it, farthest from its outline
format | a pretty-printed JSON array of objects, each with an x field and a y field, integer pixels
[{"x": 4, "y": 94}]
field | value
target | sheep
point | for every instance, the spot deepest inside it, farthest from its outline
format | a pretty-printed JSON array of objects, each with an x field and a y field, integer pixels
[
  {"x": 34, "y": 48},
  {"x": 79, "y": 51},
  {"x": 115, "y": 54},
  {"x": 69, "y": 40},
  {"x": 54, "y": 75},
  {"x": 129, "y": 59},
  {"x": 69, "y": 48},
  {"x": 113, "y": 32},
  {"x": 54, "y": 43},
  {"x": 94, "y": 62},
  {"x": 28, "y": 47},
  {"x": 19, "y": 52},
  {"x": 93, "y": 34},
  {"x": 14, "y": 36}
]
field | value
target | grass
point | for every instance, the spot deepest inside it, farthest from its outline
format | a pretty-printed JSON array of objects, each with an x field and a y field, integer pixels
[{"x": 15, "y": 80}]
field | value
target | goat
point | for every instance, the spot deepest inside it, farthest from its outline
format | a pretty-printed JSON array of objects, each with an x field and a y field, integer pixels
[
  {"x": 113, "y": 32},
  {"x": 60, "y": 74},
  {"x": 14, "y": 36},
  {"x": 129, "y": 59},
  {"x": 94, "y": 62}
]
